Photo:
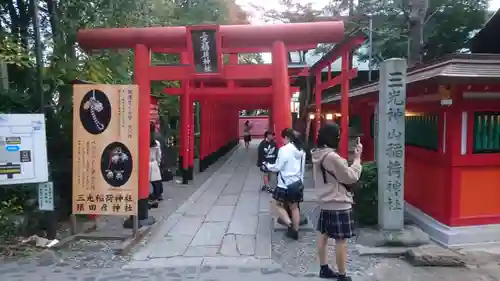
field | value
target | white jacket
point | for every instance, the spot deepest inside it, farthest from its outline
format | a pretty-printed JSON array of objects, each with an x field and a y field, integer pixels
[
  {"x": 290, "y": 165},
  {"x": 154, "y": 162}
]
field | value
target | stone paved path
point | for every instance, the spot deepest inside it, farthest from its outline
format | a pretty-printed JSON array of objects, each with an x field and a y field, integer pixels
[
  {"x": 223, "y": 233},
  {"x": 225, "y": 222}
]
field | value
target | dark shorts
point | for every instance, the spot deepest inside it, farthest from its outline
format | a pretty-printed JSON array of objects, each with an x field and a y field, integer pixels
[
  {"x": 338, "y": 224},
  {"x": 247, "y": 138},
  {"x": 284, "y": 196}
]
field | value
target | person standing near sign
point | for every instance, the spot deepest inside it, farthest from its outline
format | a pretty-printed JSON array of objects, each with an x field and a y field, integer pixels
[
  {"x": 154, "y": 169},
  {"x": 335, "y": 180}
]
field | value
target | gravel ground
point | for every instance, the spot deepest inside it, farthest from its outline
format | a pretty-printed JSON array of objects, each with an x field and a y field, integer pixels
[{"x": 300, "y": 257}]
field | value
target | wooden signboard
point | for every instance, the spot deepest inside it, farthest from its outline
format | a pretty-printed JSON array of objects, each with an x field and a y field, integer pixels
[
  {"x": 105, "y": 149},
  {"x": 205, "y": 55}
]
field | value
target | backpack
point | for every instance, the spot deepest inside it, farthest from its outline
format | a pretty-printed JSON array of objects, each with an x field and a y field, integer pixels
[{"x": 349, "y": 187}]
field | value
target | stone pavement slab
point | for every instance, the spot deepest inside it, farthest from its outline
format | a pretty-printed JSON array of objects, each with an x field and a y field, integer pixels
[{"x": 227, "y": 218}]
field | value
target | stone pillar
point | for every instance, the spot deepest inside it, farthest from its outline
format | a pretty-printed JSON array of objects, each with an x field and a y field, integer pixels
[{"x": 391, "y": 144}]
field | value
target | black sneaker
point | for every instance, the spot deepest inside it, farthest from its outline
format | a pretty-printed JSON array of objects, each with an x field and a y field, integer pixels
[
  {"x": 292, "y": 233},
  {"x": 344, "y": 278},
  {"x": 153, "y": 204},
  {"x": 328, "y": 273},
  {"x": 263, "y": 188}
]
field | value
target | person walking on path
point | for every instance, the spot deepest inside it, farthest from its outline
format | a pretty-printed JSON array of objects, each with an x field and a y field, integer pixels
[
  {"x": 247, "y": 137},
  {"x": 290, "y": 165},
  {"x": 154, "y": 170},
  {"x": 267, "y": 153},
  {"x": 333, "y": 178}
]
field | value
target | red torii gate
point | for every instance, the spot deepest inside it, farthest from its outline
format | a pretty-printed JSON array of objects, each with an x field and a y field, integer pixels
[
  {"x": 201, "y": 49},
  {"x": 341, "y": 50}
]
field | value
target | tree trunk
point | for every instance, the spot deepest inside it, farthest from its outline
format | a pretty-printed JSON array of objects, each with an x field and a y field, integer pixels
[{"x": 418, "y": 11}]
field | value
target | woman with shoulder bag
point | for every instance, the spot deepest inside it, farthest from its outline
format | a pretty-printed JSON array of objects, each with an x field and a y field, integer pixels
[
  {"x": 334, "y": 178},
  {"x": 289, "y": 165}
]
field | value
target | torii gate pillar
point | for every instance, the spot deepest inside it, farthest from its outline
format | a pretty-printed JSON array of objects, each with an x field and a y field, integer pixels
[
  {"x": 142, "y": 60},
  {"x": 281, "y": 111}
]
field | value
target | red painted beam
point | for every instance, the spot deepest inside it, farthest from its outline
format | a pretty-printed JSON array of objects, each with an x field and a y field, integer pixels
[
  {"x": 233, "y": 36},
  {"x": 169, "y": 72},
  {"x": 218, "y": 91},
  {"x": 242, "y": 50},
  {"x": 353, "y": 73},
  {"x": 347, "y": 45},
  {"x": 303, "y": 72},
  {"x": 248, "y": 71},
  {"x": 231, "y": 72}
]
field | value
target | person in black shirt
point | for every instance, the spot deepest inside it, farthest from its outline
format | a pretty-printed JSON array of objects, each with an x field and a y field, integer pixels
[{"x": 267, "y": 153}]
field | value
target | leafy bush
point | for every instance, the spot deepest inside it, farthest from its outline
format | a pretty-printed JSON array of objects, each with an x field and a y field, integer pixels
[
  {"x": 366, "y": 207},
  {"x": 11, "y": 208}
]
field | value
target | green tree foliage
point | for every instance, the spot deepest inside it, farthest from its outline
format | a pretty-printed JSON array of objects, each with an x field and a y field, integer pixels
[{"x": 447, "y": 27}]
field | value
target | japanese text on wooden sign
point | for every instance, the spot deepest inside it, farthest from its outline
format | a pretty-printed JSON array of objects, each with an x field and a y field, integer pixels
[
  {"x": 46, "y": 196},
  {"x": 205, "y": 51},
  {"x": 105, "y": 149},
  {"x": 391, "y": 143}
]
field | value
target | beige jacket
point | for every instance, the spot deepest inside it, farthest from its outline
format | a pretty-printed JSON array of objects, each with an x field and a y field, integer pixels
[{"x": 332, "y": 195}]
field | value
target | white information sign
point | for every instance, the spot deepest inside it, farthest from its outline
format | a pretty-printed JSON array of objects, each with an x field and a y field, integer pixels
[
  {"x": 23, "y": 149},
  {"x": 46, "y": 196},
  {"x": 391, "y": 144}
]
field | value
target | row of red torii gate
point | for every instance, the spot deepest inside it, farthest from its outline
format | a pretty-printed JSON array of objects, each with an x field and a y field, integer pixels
[{"x": 223, "y": 88}]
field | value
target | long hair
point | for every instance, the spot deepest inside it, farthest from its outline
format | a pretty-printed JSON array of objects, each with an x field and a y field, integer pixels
[
  {"x": 293, "y": 137},
  {"x": 329, "y": 136},
  {"x": 152, "y": 139}
]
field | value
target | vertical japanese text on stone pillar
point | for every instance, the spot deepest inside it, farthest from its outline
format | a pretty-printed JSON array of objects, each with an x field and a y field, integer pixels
[{"x": 391, "y": 143}]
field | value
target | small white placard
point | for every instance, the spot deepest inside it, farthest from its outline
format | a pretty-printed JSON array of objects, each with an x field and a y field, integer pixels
[
  {"x": 46, "y": 196},
  {"x": 23, "y": 149}
]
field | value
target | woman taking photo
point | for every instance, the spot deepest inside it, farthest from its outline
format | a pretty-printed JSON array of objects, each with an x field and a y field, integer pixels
[
  {"x": 290, "y": 168},
  {"x": 333, "y": 178}
]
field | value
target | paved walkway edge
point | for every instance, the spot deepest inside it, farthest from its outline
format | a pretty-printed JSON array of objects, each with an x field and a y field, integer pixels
[
  {"x": 171, "y": 221},
  {"x": 238, "y": 262}
]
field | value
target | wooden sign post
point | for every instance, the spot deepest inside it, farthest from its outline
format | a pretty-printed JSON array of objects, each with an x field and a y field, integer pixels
[{"x": 105, "y": 150}]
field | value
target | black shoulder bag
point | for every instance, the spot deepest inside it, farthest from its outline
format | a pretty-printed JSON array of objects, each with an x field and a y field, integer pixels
[
  {"x": 350, "y": 187},
  {"x": 296, "y": 187}
]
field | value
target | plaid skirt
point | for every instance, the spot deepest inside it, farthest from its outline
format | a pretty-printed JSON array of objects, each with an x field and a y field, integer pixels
[
  {"x": 283, "y": 195},
  {"x": 337, "y": 224}
]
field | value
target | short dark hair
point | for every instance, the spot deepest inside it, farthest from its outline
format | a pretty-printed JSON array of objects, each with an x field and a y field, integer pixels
[
  {"x": 267, "y": 133},
  {"x": 329, "y": 135}
]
